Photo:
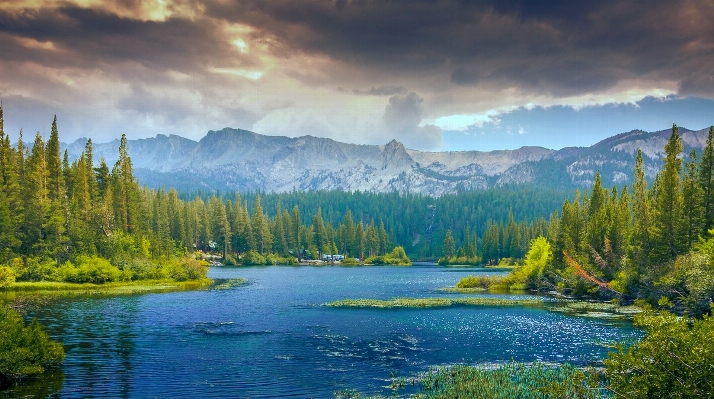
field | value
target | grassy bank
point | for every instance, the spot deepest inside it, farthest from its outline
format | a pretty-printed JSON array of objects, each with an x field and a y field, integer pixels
[{"x": 114, "y": 288}]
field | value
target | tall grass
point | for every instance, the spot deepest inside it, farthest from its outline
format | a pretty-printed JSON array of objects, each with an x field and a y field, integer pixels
[{"x": 512, "y": 380}]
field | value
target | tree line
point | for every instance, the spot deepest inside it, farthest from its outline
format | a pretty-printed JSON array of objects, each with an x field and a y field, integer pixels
[
  {"x": 645, "y": 241},
  {"x": 54, "y": 211}
]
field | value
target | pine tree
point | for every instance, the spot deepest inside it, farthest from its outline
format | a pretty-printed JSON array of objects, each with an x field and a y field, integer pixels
[
  {"x": 692, "y": 197},
  {"x": 668, "y": 203},
  {"x": 261, "y": 230},
  {"x": 706, "y": 181},
  {"x": 449, "y": 246},
  {"x": 318, "y": 231},
  {"x": 641, "y": 243},
  {"x": 9, "y": 196},
  {"x": 295, "y": 225},
  {"x": 597, "y": 221},
  {"x": 491, "y": 253},
  {"x": 36, "y": 199},
  {"x": 126, "y": 196}
]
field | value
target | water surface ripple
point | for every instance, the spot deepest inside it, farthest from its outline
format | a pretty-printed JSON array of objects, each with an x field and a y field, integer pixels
[{"x": 272, "y": 338}]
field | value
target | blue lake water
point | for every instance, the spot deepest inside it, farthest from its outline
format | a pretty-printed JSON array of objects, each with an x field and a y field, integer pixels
[{"x": 273, "y": 338}]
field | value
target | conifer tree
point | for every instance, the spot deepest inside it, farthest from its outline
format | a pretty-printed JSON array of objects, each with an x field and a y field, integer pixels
[
  {"x": 36, "y": 199},
  {"x": 668, "y": 203},
  {"x": 9, "y": 196},
  {"x": 295, "y": 225},
  {"x": 449, "y": 246},
  {"x": 692, "y": 197},
  {"x": 318, "y": 232},
  {"x": 641, "y": 243},
  {"x": 706, "y": 181},
  {"x": 261, "y": 230},
  {"x": 597, "y": 223}
]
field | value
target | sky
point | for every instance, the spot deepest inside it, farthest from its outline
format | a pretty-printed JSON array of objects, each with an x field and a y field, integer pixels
[{"x": 435, "y": 75}]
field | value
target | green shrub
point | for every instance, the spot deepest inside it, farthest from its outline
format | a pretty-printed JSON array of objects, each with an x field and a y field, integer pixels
[
  {"x": 397, "y": 257},
  {"x": 7, "y": 276},
  {"x": 25, "y": 351},
  {"x": 349, "y": 262},
  {"x": 675, "y": 359},
  {"x": 33, "y": 269},
  {"x": 252, "y": 257},
  {"x": 230, "y": 260},
  {"x": 67, "y": 272},
  {"x": 96, "y": 270}
]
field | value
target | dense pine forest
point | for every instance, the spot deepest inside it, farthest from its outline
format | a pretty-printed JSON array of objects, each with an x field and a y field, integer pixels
[
  {"x": 85, "y": 222},
  {"x": 650, "y": 242}
]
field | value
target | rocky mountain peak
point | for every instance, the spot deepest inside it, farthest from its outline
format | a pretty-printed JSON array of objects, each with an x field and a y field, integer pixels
[
  {"x": 234, "y": 159},
  {"x": 394, "y": 155}
]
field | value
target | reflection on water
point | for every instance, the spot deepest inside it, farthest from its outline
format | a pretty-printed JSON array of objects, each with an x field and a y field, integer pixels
[
  {"x": 272, "y": 337},
  {"x": 50, "y": 385}
]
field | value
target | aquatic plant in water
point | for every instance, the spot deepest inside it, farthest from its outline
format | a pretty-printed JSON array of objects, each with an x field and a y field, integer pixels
[{"x": 431, "y": 302}]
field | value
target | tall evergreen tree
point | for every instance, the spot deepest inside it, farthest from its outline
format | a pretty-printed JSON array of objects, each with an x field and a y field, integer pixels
[
  {"x": 692, "y": 223},
  {"x": 261, "y": 230},
  {"x": 641, "y": 243},
  {"x": 706, "y": 181},
  {"x": 449, "y": 245},
  {"x": 668, "y": 203},
  {"x": 36, "y": 200}
]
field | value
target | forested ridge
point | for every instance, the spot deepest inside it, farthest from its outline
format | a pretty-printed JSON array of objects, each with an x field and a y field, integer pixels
[
  {"x": 85, "y": 222},
  {"x": 651, "y": 242}
]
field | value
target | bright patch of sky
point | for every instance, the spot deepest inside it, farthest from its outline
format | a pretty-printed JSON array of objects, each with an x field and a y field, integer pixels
[{"x": 562, "y": 126}]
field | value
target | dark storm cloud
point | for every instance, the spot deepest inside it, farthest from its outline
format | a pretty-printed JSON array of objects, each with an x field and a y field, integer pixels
[
  {"x": 88, "y": 38},
  {"x": 556, "y": 47}
]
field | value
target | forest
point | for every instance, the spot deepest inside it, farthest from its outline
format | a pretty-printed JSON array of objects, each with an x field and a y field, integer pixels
[
  {"x": 648, "y": 242},
  {"x": 84, "y": 222}
]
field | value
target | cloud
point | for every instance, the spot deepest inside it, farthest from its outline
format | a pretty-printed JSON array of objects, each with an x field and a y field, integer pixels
[
  {"x": 402, "y": 117},
  {"x": 275, "y": 66},
  {"x": 382, "y": 91}
]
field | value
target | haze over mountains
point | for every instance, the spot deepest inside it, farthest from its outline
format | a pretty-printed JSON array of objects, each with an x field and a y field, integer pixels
[{"x": 232, "y": 159}]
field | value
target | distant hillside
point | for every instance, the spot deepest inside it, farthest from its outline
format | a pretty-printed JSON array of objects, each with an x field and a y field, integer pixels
[{"x": 232, "y": 159}]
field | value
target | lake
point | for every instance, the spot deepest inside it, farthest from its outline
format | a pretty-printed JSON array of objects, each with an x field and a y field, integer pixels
[{"x": 273, "y": 338}]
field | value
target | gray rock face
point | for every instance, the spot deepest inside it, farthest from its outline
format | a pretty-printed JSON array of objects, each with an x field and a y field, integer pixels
[{"x": 232, "y": 159}]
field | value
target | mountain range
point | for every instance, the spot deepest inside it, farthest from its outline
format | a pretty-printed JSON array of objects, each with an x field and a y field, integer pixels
[{"x": 234, "y": 159}]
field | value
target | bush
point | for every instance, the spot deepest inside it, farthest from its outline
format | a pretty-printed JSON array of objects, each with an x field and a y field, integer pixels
[
  {"x": 253, "y": 258},
  {"x": 397, "y": 257},
  {"x": 7, "y": 276},
  {"x": 230, "y": 260},
  {"x": 33, "y": 269},
  {"x": 96, "y": 270},
  {"x": 25, "y": 351},
  {"x": 674, "y": 360},
  {"x": 349, "y": 262}
]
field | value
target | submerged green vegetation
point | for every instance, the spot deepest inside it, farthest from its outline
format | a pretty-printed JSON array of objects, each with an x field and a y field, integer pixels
[{"x": 431, "y": 302}]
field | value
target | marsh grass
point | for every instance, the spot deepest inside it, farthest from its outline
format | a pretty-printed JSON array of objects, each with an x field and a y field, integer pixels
[
  {"x": 116, "y": 288},
  {"x": 600, "y": 310},
  {"x": 431, "y": 302},
  {"x": 512, "y": 380},
  {"x": 229, "y": 283}
]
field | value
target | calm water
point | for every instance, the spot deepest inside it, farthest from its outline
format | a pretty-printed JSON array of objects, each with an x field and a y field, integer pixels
[{"x": 271, "y": 338}]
